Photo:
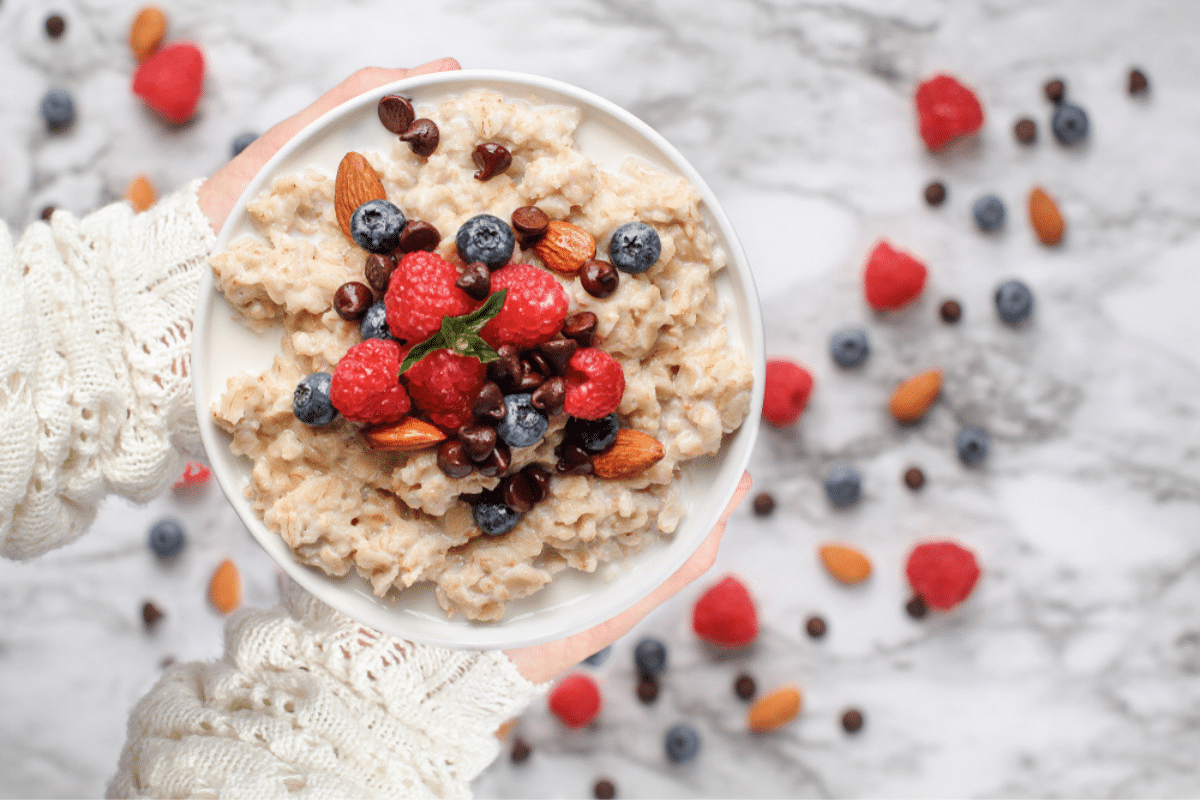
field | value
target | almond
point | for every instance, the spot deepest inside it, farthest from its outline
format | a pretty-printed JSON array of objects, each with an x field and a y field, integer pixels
[
  {"x": 225, "y": 588},
  {"x": 147, "y": 31},
  {"x": 846, "y": 564},
  {"x": 140, "y": 193},
  {"x": 505, "y": 729},
  {"x": 565, "y": 247},
  {"x": 408, "y": 434},
  {"x": 774, "y": 710},
  {"x": 631, "y": 454},
  {"x": 356, "y": 183},
  {"x": 1047, "y": 222},
  {"x": 913, "y": 398}
]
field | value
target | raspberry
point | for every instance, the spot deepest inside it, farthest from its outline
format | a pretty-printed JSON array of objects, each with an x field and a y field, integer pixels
[
  {"x": 194, "y": 474},
  {"x": 786, "y": 392},
  {"x": 575, "y": 700},
  {"x": 725, "y": 614},
  {"x": 366, "y": 383},
  {"x": 444, "y": 386},
  {"x": 595, "y": 384},
  {"x": 420, "y": 293},
  {"x": 942, "y": 573},
  {"x": 946, "y": 110},
  {"x": 534, "y": 310},
  {"x": 892, "y": 279},
  {"x": 170, "y": 80}
]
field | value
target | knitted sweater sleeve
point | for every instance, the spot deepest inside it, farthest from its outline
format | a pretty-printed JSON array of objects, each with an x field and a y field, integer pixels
[
  {"x": 307, "y": 703},
  {"x": 95, "y": 334}
]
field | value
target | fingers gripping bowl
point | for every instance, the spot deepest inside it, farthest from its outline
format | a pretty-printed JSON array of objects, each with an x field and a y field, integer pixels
[{"x": 396, "y": 538}]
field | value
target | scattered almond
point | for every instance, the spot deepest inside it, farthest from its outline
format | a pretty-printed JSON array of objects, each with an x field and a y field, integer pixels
[
  {"x": 565, "y": 247},
  {"x": 774, "y": 710},
  {"x": 357, "y": 182},
  {"x": 409, "y": 433},
  {"x": 913, "y": 398},
  {"x": 505, "y": 729},
  {"x": 140, "y": 193},
  {"x": 147, "y": 31},
  {"x": 631, "y": 454},
  {"x": 1044, "y": 215},
  {"x": 225, "y": 588},
  {"x": 844, "y": 563}
]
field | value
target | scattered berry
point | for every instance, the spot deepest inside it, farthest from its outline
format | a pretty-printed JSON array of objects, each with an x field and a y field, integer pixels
[
  {"x": 950, "y": 311},
  {"x": 420, "y": 293},
  {"x": 593, "y": 435},
  {"x": 972, "y": 444},
  {"x": 989, "y": 213},
  {"x": 815, "y": 627},
  {"x": 935, "y": 193},
  {"x": 764, "y": 504},
  {"x": 166, "y": 538},
  {"x": 310, "y": 401},
  {"x": 745, "y": 687},
  {"x": 485, "y": 238},
  {"x": 942, "y": 573},
  {"x": 786, "y": 392},
  {"x": 914, "y": 478},
  {"x": 194, "y": 474},
  {"x": 852, "y": 720},
  {"x": 1069, "y": 123},
  {"x": 682, "y": 743},
  {"x": 494, "y": 518},
  {"x": 58, "y": 109},
  {"x": 534, "y": 308},
  {"x": 849, "y": 348},
  {"x": 444, "y": 385},
  {"x": 376, "y": 226},
  {"x": 366, "y": 383},
  {"x": 650, "y": 656},
  {"x": 523, "y": 425},
  {"x": 595, "y": 384},
  {"x": 240, "y": 143},
  {"x": 725, "y": 614},
  {"x": 1055, "y": 90},
  {"x": 843, "y": 486},
  {"x": 1025, "y": 131},
  {"x": 1014, "y": 301},
  {"x": 374, "y": 324},
  {"x": 892, "y": 279},
  {"x": 946, "y": 110},
  {"x": 634, "y": 247},
  {"x": 575, "y": 700},
  {"x": 171, "y": 79},
  {"x": 599, "y": 657}
]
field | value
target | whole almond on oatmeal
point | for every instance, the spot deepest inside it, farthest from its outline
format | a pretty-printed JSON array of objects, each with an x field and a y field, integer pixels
[
  {"x": 225, "y": 588},
  {"x": 631, "y": 454},
  {"x": 844, "y": 563},
  {"x": 147, "y": 31},
  {"x": 409, "y": 433},
  {"x": 1045, "y": 217},
  {"x": 356, "y": 183},
  {"x": 913, "y": 398},
  {"x": 565, "y": 247},
  {"x": 774, "y": 710}
]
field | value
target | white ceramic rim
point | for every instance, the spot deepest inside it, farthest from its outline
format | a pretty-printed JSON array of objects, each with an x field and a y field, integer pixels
[{"x": 351, "y": 595}]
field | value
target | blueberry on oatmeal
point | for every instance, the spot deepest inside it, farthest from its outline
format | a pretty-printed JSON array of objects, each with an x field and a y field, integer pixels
[
  {"x": 495, "y": 518},
  {"x": 310, "y": 402},
  {"x": 376, "y": 226},
  {"x": 485, "y": 238},
  {"x": 634, "y": 247},
  {"x": 523, "y": 424}
]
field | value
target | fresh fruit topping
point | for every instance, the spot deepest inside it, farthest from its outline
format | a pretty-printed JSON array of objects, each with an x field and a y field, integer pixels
[
  {"x": 530, "y": 223},
  {"x": 171, "y": 79},
  {"x": 593, "y": 435},
  {"x": 972, "y": 444},
  {"x": 1045, "y": 218},
  {"x": 1069, "y": 123},
  {"x": 421, "y": 293},
  {"x": 378, "y": 269},
  {"x": 523, "y": 425},
  {"x": 533, "y": 311},
  {"x": 1025, "y": 131},
  {"x": 650, "y": 657},
  {"x": 1139, "y": 84},
  {"x": 946, "y": 110},
  {"x": 764, "y": 504},
  {"x": 404, "y": 436},
  {"x": 356, "y": 183},
  {"x": 485, "y": 238},
  {"x": 565, "y": 247},
  {"x": 942, "y": 573},
  {"x": 815, "y": 627},
  {"x": 491, "y": 159},
  {"x": 772, "y": 711},
  {"x": 444, "y": 385},
  {"x": 1014, "y": 302},
  {"x": 935, "y": 193},
  {"x": 422, "y": 137},
  {"x": 140, "y": 193},
  {"x": 634, "y": 247},
  {"x": 352, "y": 299},
  {"x": 225, "y": 588},
  {"x": 915, "y": 396},
  {"x": 595, "y": 384},
  {"x": 892, "y": 279},
  {"x": 845, "y": 564},
  {"x": 57, "y": 109},
  {"x": 631, "y": 454},
  {"x": 147, "y": 31},
  {"x": 599, "y": 278},
  {"x": 241, "y": 142},
  {"x": 575, "y": 700},
  {"x": 374, "y": 323},
  {"x": 725, "y": 614},
  {"x": 419, "y": 235},
  {"x": 849, "y": 348},
  {"x": 914, "y": 478},
  {"x": 745, "y": 687},
  {"x": 950, "y": 311},
  {"x": 786, "y": 391},
  {"x": 852, "y": 720},
  {"x": 681, "y": 743},
  {"x": 581, "y": 328},
  {"x": 166, "y": 538},
  {"x": 396, "y": 113},
  {"x": 310, "y": 400},
  {"x": 1055, "y": 90},
  {"x": 989, "y": 213},
  {"x": 843, "y": 486},
  {"x": 495, "y": 518},
  {"x": 194, "y": 474},
  {"x": 376, "y": 225},
  {"x": 452, "y": 459},
  {"x": 366, "y": 385}
]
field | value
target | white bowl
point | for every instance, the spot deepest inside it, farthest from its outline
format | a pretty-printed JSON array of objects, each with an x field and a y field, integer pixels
[{"x": 573, "y": 601}]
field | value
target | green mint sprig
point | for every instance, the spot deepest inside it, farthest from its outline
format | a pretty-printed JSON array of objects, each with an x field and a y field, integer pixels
[{"x": 461, "y": 334}]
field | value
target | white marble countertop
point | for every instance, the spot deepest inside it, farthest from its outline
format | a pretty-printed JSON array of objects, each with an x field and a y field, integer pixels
[{"x": 1073, "y": 668}]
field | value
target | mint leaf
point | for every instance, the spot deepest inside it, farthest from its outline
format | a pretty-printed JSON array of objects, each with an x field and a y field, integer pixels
[{"x": 461, "y": 334}]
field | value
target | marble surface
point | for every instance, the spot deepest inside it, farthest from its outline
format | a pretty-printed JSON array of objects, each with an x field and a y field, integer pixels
[{"x": 1073, "y": 668}]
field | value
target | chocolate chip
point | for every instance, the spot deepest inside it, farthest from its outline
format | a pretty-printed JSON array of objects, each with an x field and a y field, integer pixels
[
  {"x": 151, "y": 614},
  {"x": 489, "y": 404},
  {"x": 520, "y": 751},
  {"x": 573, "y": 460},
  {"x": 56, "y": 26},
  {"x": 422, "y": 136},
  {"x": 647, "y": 689},
  {"x": 419, "y": 235},
  {"x": 497, "y": 463},
  {"x": 1138, "y": 82},
  {"x": 604, "y": 789},
  {"x": 916, "y": 607},
  {"x": 479, "y": 441},
  {"x": 852, "y": 720},
  {"x": 396, "y": 113},
  {"x": 935, "y": 193},
  {"x": 815, "y": 626},
  {"x": 1025, "y": 130},
  {"x": 539, "y": 481},
  {"x": 914, "y": 478},
  {"x": 558, "y": 353},
  {"x": 48, "y": 212},
  {"x": 764, "y": 504},
  {"x": 1055, "y": 90},
  {"x": 491, "y": 159},
  {"x": 452, "y": 459},
  {"x": 550, "y": 395},
  {"x": 506, "y": 369},
  {"x": 745, "y": 687},
  {"x": 475, "y": 280},
  {"x": 950, "y": 311},
  {"x": 581, "y": 327},
  {"x": 352, "y": 299},
  {"x": 530, "y": 379},
  {"x": 539, "y": 362},
  {"x": 516, "y": 493},
  {"x": 378, "y": 269},
  {"x": 598, "y": 278},
  {"x": 530, "y": 222}
]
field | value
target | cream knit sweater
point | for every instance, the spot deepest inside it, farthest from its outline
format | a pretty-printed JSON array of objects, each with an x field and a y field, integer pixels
[{"x": 95, "y": 398}]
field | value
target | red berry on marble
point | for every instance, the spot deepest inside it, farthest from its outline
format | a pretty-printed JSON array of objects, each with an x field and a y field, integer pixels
[
  {"x": 575, "y": 700},
  {"x": 942, "y": 573},
  {"x": 171, "y": 79},
  {"x": 946, "y": 110},
  {"x": 892, "y": 279},
  {"x": 725, "y": 614},
  {"x": 786, "y": 391}
]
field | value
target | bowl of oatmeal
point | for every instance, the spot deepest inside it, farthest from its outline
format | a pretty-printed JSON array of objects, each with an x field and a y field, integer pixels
[{"x": 405, "y": 540}]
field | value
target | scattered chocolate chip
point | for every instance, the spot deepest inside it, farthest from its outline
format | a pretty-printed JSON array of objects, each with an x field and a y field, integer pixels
[
  {"x": 852, "y": 720},
  {"x": 452, "y": 459},
  {"x": 530, "y": 378},
  {"x": 352, "y": 299},
  {"x": 539, "y": 362},
  {"x": 539, "y": 481},
  {"x": 1025, "y": 130},
  {"x": 489, "y": 404},
  {"x": 914, "y": 478},
  {"x": 396, "y": 113},
  {"x": 598, "y": 278},
  {"x": 1138, "y": 82},
  {"x": 647, "y": 689},
  {"x": 550, "y": 395},
  {"x": 478, "y": 440},
  {"x": 56, "y": 26},
  {"x": 935, "y": 193},
  {"x": 151, "y": 614},
  {"x": 604, "y": 790},
  {"x": 573, "y": 460},
  {"x": 497, "y": 463},
  {"x": 815, "y": 627},
  {"x": 166, "y": 662},
  {"x": 422, "y": 136},
  {"x": 475, "y": 280},
  {"x": 378, "y": 270},
  {"x": 581, "y": 327},
  {"x": 506, "y": 369},
  {"x": 745, "y": 687},
  {"x": 520, "y": 751},
  {"x": 48, "y": 212},
  {"x": 491, "y": 159},
  {"x": 916, "y": 607},
  {"x": 764, "y": 504},
  {"x": 1055, "y": 90},
  {"x": 950, "y": 311},
  {"x": 516, "y": 493},
  {"x": 558, "y": 353},
  {"x": 419, "y": 235},
  {"x": 530, "y": 223}
]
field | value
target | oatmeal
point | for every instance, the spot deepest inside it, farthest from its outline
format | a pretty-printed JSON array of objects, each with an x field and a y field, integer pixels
[{"x": 399, "y": 517}]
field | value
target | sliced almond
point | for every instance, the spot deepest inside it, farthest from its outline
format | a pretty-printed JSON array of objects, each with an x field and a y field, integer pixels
[
  {"x": 357, "y": 182},
  {"x": 409, "y": 433},
  {"x": 565, "y": 247},
  {"x": 774, "y": 710},
  {"x": 147, "y": 31},
  {"x": 913, "y": 398},
  {"x": 225, "y": 588},
  {"x": 631, "y": 454},
  {"x": 846, "y": 564},
  {"x": 1045, "y": 218},
  {"x": 140, "y": 193}
]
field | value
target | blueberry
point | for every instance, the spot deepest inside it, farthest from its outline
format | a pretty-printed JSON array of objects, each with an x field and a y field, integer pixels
[
  {"x": 682, "y": 743},
  {"x": 989, "y": 213},
  {"x": 634, "y": 247},
  {"x": 376, "y": 226},
  {"x": 843, "y": 486},
  {"x": 1014, "y": 302},
  {"x": 242, "y": 142},
  {"x": 850, "y": 347},
  {"x": 972, "y": 444},
  {"x": 1069, "y": 123},
  {"x": 495, "y": 518},
  {"x": 485, "y": 238},
  {"x": 166, "y": 538},
  {"x": 310, "y": 401},
  {"x": 58, "y": 108},
  {"x": 650, "y": 656},
  {"x": 374, "y": 325},
  {"x": 523, "y": 425},
  {"x": 593, "y": 436},
  {"x": 599, "y": 657}
]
